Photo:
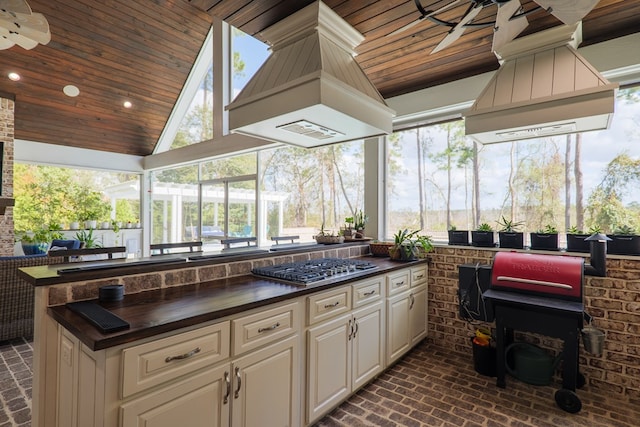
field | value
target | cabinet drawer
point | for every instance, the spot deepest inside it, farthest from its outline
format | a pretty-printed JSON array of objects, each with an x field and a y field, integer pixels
[
  {"x": 264, "y": 327},
  {"x": 398, "y": 282},
  {"x": 147, "y": 365},
  {"x": 418, "y": 276},
  {"x": 367, "y": 291},
  {"x": 328, "y": 304}
]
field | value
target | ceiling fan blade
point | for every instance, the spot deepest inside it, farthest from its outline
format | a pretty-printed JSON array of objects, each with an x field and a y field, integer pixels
[
  {"x": 34, "y": 26},
  {"x": 421, "y": 18},
  {"x": 457, "y": 31},
  {"x": 568, "y": 11},
  {"x": 506, "y": 29},
  {"x": 18, "y": 6}
]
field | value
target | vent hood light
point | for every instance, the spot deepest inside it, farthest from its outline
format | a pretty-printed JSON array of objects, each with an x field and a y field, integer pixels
[
  {"x": 310, "y": 130},
  {"x": 310, "y": 91},
  {"x": 544, "y": 87}
]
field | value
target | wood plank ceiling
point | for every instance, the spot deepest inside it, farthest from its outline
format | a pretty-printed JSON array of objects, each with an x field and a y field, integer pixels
[
  {"x": 115, "y": 50},
  {"x": 112, "y": 50}
]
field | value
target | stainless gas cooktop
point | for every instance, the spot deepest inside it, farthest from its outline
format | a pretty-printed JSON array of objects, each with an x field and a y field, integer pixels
[{"x": 313, "y": 271}]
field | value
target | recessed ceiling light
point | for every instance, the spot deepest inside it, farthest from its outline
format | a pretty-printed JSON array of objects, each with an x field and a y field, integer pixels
[
  {"x": 14, "y": 76},
  {"x": 127, "y": 104},
  {"x": 71, "y": 90}
]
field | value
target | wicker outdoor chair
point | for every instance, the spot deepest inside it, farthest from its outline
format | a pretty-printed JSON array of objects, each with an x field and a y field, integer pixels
[{"x": 16, "y": 295}]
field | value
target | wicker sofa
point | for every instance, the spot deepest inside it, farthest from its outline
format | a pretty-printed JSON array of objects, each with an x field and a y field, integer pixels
[{"x": 16, "y": 295}]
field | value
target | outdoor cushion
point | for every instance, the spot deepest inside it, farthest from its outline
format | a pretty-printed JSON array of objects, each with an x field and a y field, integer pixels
[{"x": 65, "y": 244}]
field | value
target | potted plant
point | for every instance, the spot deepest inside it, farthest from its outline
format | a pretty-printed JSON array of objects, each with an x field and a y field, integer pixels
[
  {"x": 482, "y": 236},
  {"x": 87, "y": 240},
  {"x": 327, "y": 237},
  {"x": 405, "y": 245},
  {"x": 509, "y": 235},
  {"x": 359, "y": 222},
  {"x": 624, "y": 241},
  {"x": 348, "y": 228},
  {"x": 545, "y": 239},
  {"x": 576, "y": 239},
  {"x": 458, "y": 237}
]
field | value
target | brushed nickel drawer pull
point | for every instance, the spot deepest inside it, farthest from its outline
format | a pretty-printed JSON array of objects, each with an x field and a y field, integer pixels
[
  {"x": 183, "y": 356},
  {"x": 412, "y": 300},
  {"x": 227, "y": 382},
  {"x": 239, "y": 381},
  {"x": 399, "y": 283},
  {"x": 269, "y": 328},
  {"x": 335, "y": 304},
  {"x": 420, "y": 276},
  {"x": 368, "y": 294}
]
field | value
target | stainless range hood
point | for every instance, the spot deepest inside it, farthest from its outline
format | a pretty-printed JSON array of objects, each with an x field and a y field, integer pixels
[
  {"x": 544, "y": 87},
  {"x": 311, "y": 91}
]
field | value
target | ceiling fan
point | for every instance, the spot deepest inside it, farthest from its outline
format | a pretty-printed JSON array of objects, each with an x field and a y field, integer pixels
[{"x": 510, "y": 19}]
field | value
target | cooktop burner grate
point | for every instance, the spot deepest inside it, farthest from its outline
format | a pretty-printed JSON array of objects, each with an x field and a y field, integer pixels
[{"x": 314, "y": 270}]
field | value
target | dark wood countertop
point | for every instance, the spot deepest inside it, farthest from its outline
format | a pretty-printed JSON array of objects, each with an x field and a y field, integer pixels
[{"x": 154, "y": 312}]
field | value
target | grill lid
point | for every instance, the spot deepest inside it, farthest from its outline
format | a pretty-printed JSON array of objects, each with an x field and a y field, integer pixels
[{"x": 543, "y": 275}]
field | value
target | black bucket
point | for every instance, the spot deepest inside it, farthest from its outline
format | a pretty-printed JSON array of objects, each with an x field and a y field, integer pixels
[{"x": 484, "y": 359}]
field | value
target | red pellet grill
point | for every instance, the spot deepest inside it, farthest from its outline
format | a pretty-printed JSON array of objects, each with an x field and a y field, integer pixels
[
  {"x": 542, "y": 275},
  {"x": 540, "y": 294}
]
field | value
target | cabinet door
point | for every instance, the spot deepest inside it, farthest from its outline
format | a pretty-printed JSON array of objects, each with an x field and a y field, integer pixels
[
  {"x": 196, "y": 401},
  {"x": 398, "y": 335},
  {"x": 367, "y": 342},
  {"x": 266, "y": 390},
  {"x": 418, "y": 314},
  {"x": 329, "y": 365}
]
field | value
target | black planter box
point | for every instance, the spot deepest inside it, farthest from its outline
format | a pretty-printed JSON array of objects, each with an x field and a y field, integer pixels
[
  {"x": 576, "y": 243},
  {"x": 544, "y": 241},
  {"x": 512, "y": 240},
  {"x": 482, "y": 238},
  {"x": 459, "y": 237},
  {"x": 623, "y": 245}
]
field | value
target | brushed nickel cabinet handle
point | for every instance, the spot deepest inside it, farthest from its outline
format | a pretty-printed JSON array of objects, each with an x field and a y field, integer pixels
[
  {"x": 355, "y": 331},
  {"x": 368, "y": 294},
  {"x": 400, "y": 283},
  {"x": 239, "y": 381},
  {"x": 227, "y": 381},
  {"x": 350, "y": 331},
  {"x": 269, "y": 328},
  {"x": 420, "y": 276},
  {"x": 335, "y": 304},
  {"x": 413, "y": 300},
  {"x": 183, "y": 356}
]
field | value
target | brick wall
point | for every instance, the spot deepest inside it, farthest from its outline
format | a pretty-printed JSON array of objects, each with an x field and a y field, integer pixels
[
  {"x": 6, "y": 137},
  {"x": 613, "y": 301}
]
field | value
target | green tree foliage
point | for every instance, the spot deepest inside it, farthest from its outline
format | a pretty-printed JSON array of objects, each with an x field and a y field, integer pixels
[
  {"x": 606, "y": 208},
  {"x": 50, "y": 195}
]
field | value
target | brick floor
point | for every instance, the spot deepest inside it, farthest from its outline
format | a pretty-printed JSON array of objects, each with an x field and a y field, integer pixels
[
  {"x": 429, "y": 387},
  {"x": 16, "y": 361},
  {"x": 434, "y": 387}
]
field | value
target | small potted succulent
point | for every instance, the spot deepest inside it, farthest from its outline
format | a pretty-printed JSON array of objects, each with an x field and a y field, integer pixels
[
  {"x": 482, "y": 236},
  {"x": 545, "y": 239},
  {"x": 509, "y": 235},
  {"x": 458, "y": 237},
  {"x": 359, "y": 222},
  {"x": 624, "y": 241},
  {"x": 576, "y": 239}
]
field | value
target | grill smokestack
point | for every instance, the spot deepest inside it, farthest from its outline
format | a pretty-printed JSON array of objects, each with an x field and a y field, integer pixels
[{"x": 598, "y": 255}]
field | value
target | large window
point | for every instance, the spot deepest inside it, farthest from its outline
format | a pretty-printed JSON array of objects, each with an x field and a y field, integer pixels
[
  {"x": 438, "y": 178},
  {"x": 309, "y": 190}
]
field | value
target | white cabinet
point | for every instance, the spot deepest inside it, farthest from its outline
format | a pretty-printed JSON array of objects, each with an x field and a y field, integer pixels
[
  {"x": 197, "y": 401},
  {"x": 266, "y": 386},
  {"x": 407, "y": 315},
  {"x": 347, "y": 351},
  {"x": 244, "y": 371}
]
